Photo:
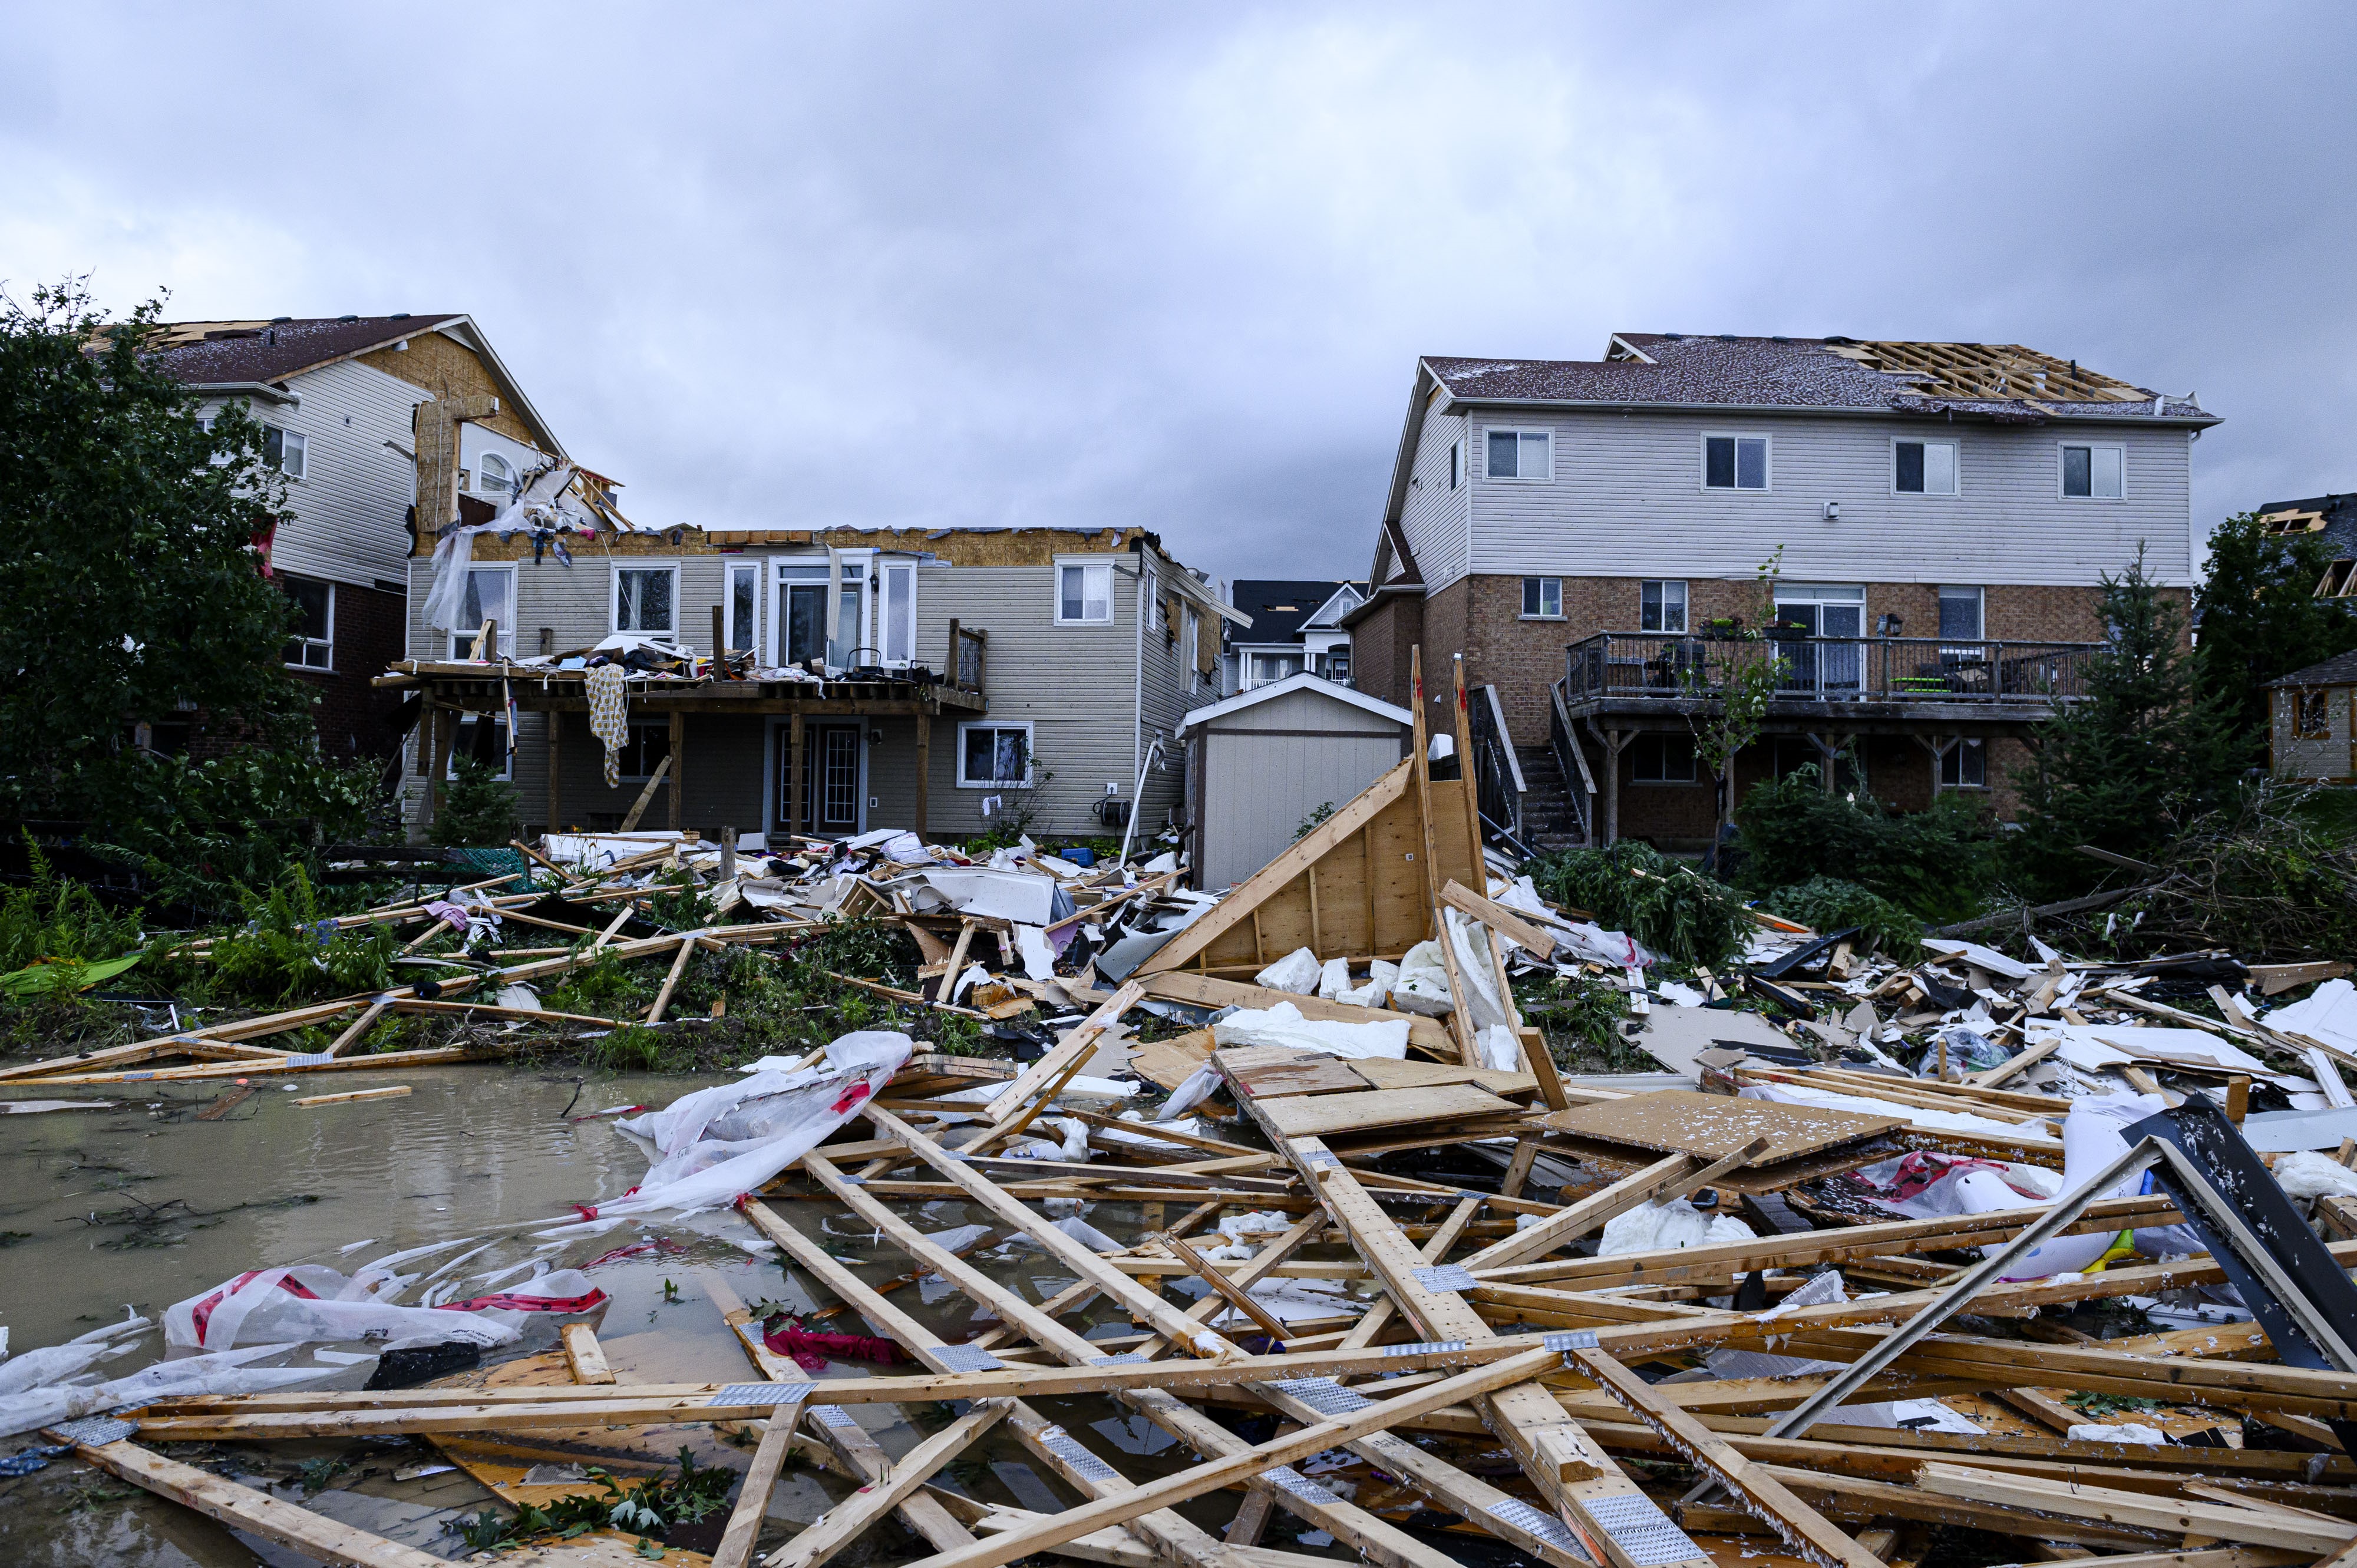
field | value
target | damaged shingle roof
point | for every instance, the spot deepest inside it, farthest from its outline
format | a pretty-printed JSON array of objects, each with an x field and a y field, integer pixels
[
  {"x": 2002, "y": 381},
  {"x": 2341, "y": 669},
  {"x": 216, "y": 353}
]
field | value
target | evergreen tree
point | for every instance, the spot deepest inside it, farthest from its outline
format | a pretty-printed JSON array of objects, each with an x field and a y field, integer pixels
[
  {"x": 2260, "y": 618},
  {"x": 478, "y": 808},
  {"x": 2142, "y": 753}
]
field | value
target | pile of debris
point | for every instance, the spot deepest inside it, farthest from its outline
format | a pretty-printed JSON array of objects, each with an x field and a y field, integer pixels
[{"x": 1886, "y": 1251}]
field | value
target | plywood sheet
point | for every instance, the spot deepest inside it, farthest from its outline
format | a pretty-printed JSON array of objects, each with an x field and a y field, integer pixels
[
  {"x": 1679, "y": 1121},
  {"x": 1381, "y": 1072},
  {"x": 1317, "y": 1114},
  {"x": 1171, "y": 1062},
  {"x": 1301, "y": 1075}
]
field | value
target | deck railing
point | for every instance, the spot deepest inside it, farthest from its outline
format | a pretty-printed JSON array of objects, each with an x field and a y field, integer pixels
[{"x": 1653, "y": 664}]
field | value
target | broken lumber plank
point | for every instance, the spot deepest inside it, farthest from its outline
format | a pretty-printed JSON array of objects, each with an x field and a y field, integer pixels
[
  {"x": 2253, "y": 1526},
  {"x": 744, "y": 1528},
  {"x": 1658, "y": 1183},
  {"x": 850, "y": 1518},
  {"x": 583, "y": 1356},
  {"x": 241, "y": 1507},
  {"x": 391, "y": 1091}
]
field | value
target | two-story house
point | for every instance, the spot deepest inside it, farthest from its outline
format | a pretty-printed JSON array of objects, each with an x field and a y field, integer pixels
[
  {"x": 340, "y": 399},
  {"x": 1295, "y": 628},
  {"x": 948, "y": 681},
  {"x": 1594, "y": 537}
]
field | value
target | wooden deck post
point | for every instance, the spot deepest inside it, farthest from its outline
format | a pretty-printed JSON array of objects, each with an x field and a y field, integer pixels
[
  {"x": 1613, "y": 741},
  {"x": 924, "y": 773},
  {"x": 794, "y": 775},
  {"x": 556, "y": 722},
  {"x": 678, "y": 763},
  {"x": 1466, "y": 771},
  {"x": 443, "y": 733}
]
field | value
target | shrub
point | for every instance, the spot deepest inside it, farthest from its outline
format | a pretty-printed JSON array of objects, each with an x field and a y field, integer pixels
[
  {"x": 478, "y": 808},
  {"x": 289, "y": 950},
  {"x": 1829, "y": 903},
  {"x": 1938, "y": 864},
  {"x": 1668, "y": 905},
  {"x": 55, "y": 919}
]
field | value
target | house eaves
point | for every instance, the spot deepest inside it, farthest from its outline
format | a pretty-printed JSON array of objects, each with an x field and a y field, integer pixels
[{"x": 2107, "y": 413}]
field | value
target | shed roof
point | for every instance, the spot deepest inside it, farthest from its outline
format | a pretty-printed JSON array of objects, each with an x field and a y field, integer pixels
[
  {"x": 2341, "y": 669},
  {"x": 1305, "y": 682}
]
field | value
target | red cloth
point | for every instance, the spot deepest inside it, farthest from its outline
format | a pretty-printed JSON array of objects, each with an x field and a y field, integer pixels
[{"x": 811, "y": 1351}]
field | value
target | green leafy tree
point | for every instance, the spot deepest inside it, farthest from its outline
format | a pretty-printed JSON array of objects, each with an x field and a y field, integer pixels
[
  {"x": 128, "y": 561},
  {"x": 478, "y": 808},
  {"x": 2143, "y": 754},
  {"x": 2261, "y": 618},
  {"x": 1736, "y": 688}
]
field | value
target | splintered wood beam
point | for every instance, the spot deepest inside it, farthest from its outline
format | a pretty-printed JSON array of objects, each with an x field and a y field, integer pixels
[
  {"x": 1800, "y": 1526},
  {"x": 847, "y": 1520},
  {"x": 2255, "y": 1526},
  {"x": 737, "y": 1542},
  {"x": 584, "y": 1356},
  {"x": 241, "y": 1507}
]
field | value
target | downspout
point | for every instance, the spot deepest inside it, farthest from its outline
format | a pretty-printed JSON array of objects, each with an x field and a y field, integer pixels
[{"x": 1137, "y": 691}]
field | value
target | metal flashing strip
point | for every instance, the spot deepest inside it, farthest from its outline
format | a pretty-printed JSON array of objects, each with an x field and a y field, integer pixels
[
  {"x": 1322, "y": 1159},
  {"x": 763, "y": 1393},
  {"x": 1424, "y": 1347},
  {"x": 95, "y": 1431},
  {"x": 1127, "y": 1358},
  {"x": 1059, "y": 1443},
  {"x": 834, "y": 1415},
  {"x": 967, "y": 1359},
  {"x": 1323, "y": 1395},
  {"x": 307, "y": 1059},
  {"x": 1448, "y": 1277},
  {"x": 1571, "y": 1339},
  {"x": 1646, "y": 1535},
  {"x": 1537, "y": 1522},
  {"x": 1293, "y": 1483}
]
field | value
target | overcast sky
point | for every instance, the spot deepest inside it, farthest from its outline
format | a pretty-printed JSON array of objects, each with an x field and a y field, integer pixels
[{"x": 1171, "y": 265}]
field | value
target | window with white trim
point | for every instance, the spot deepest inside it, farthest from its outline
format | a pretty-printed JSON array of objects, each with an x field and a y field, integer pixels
[
  {"x": 896, "y": 614},
  {"x": 312, "y": 644},
  {"x": 283, "y": 450},
  {"x": 1734, "y": 462},
  {"x": 1960, "y": 615},
  {"x": 646, "y": 599},
  {"x": 1456, "y": 462},
  {"x": 994, "y": 757},
  {"x": 1543, "y": 598},
  {"x": 1521, "y": 454},
  {"x": 1965, "y": 766},
  {"x": 743, "y": 629},
  {"x": 1923, "y": 468},
  {"x": 1661, "y": 759},
  {"x": 1084, "y": 593},
  {"x": 491, "y": 595},
  {"x": 493, "y": 477},
  {"x": 2094, "y": 473},
  {"x": 1662, "y": 605}
]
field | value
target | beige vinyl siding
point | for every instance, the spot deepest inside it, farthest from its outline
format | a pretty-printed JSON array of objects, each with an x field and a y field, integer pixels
[
  {"x": 1435, "y": 518},
  {"x": 351, "y": 505},
  {"x": 1627, "y": 500},
  {"x": 1260, "y": 783},
  {"x": 2325, "y": 757}
]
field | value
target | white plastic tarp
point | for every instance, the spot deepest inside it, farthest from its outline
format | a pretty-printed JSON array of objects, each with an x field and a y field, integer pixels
[{"x": 1283, "y": 1024}]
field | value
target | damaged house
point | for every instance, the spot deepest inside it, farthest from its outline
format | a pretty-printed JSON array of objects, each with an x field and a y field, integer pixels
[
  {"x": 349, "y": 405},
  {"x": 943, "y": 680},
  {"x": 1590, "y": 536}
]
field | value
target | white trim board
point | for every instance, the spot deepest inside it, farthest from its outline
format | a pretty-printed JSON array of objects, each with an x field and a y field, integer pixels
[{"x": 1305, "y": 682}]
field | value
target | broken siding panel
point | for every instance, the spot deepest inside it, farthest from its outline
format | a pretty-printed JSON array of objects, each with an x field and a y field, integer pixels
[
  {"x": 1433, "y": 517},
  {"x": 352, "y": 504},
  {"x": 1627, "y": 499}
]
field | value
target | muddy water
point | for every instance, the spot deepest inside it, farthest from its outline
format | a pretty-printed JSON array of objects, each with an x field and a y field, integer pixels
[{"x": 144, "y": 1205}]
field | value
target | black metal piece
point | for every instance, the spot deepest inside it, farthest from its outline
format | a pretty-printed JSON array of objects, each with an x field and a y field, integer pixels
[
  {"x": 2200, "y": 1131},
  {"x": 1806, "y": 956}
]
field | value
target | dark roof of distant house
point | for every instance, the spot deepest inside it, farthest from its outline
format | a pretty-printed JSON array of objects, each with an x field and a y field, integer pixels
[
  {"x": 219, "y": 353},
  {"x": 2005, "y": 382},
  {"x": 2341, "y": 669},
  {"x": 1278, "y": 607},
  {"x": 2332, "y": 517}
]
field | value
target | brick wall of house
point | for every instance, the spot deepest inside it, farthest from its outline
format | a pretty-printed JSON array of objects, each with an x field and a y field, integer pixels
[
  {"x": 355, "y": 719},
  {"x": 1379, "y": 644}
]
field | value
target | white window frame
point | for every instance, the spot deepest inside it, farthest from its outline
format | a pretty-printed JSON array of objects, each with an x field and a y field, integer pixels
[
  {"x": 2092, "y": 447},
  {"x": 1086, "y": 562},
  {"x": 1457, "y": 463},
  {"x": 1695, "y": 778},
  {"x": 507, "y": 486},
  {"x": 289, "y": 441},
  {"x": 1980, "y": 596},
  {"x": 1030, "y": 754},
  {"x": 1542, "y": 613},
  {"x": 1955, "y": 466},
  {"x": 1685, "y": 605},
  {"x": 729, "y": 630},
  {"x": 882, "y": 570},
  {"x": 1767, "y": 462},
  {"x": 1543, "y": 432},
  {"x": 327, "y": 643},
  {"x": 1191, "y": 639},
  {"x": 614, "y": 597},
  {"x": 463, "y": 637}
]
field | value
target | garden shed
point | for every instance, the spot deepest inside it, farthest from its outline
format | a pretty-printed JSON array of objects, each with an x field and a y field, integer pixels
[
  {"x": 2312, "y": 721},
  {"x": 1261, "y": 764}
]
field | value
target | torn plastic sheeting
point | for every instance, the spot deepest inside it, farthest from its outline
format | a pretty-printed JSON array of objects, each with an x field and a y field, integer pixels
[
  {"x": 1921, "y": 1116},
  {"x": 1659, "y": 1226},
  {"x": 1479, "y": 971},
  {"x": 758, "y": 1136},
  {"x": 55, "y": 1363},
  {"x": 223, "y": 1373},
  {"x": 1074, "y": 1146},
  {"x": 293, "y": 1305},
  {"x": 1292, "y": 1300},
  {"x": 1283, "y": 1024}
]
